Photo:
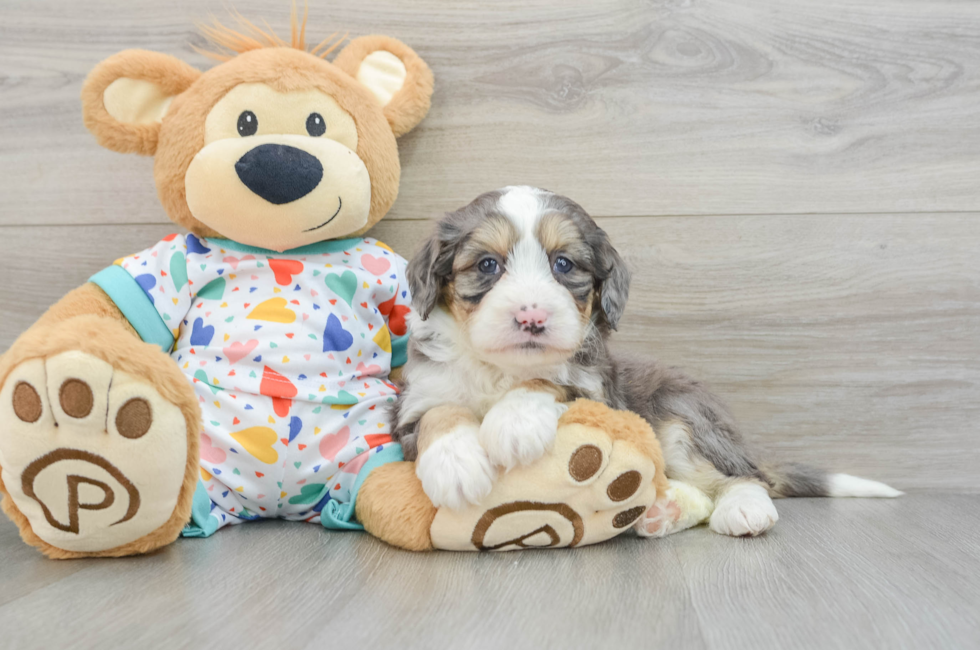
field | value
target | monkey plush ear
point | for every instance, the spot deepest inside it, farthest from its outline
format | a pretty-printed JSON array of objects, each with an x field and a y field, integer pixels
[
  {"x": 126, "y": 96},
  {"x": 395, "y": 74}
]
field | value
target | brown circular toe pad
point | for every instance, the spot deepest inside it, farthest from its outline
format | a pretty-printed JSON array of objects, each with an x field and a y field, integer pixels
[
  {"x": 627, "y": 517},
  {"x": 585, "y": 462},
  {"x": 76, "y": 398},
  {"x": 134, "y": 418},
  {"x": 624, "y": 486},
  {"x": 27, "y": 403}
]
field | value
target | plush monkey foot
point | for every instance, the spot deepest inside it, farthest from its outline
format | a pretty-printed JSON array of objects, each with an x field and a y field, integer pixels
[
  {"x": 602, "y": 474},
  {"x": 94, "y": 459}
]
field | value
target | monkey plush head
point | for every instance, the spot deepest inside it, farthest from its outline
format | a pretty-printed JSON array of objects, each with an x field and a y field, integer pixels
[{"x": 274, "y": 147}]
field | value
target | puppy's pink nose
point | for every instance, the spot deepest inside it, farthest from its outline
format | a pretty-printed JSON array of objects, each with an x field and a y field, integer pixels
[{"x": 533, "y": 317}]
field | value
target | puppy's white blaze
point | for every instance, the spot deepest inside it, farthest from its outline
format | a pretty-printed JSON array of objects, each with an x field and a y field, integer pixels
[
  {"x": 529, "y": 262},
  {"x": 522, "y": 206},
  {"x": 845, "y": 485},
  {"x": 455, "y": 470}
]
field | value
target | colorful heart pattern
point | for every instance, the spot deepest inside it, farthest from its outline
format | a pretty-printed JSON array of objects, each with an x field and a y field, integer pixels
[
  {"x": 333, "y": 444},
  {"x": 375, "y": 265},
  {"x": 209, "y": 452},
  {"x": 235, "y": 261},
  {"x": 214, "y": 290},
  {"x": 201, "y": 334},
  {"x": 289, "y": 356},
  {"x": 258, "y": 441},
  {"x": 178, "y": 270},
  {"x": 284, "y": 270},
  {"x": 345, "y": 285},
  {"x": 238, "y": 351},
  {"x": 273, "y": 310},
  {"x": 335, "y": 337}
]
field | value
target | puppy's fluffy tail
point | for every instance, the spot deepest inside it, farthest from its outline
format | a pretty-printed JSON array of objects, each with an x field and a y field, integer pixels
[{"x": 797, "y": 480}]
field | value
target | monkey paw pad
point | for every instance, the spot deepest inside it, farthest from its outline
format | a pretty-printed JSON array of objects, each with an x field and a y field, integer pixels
[
  {"x": 92, "y": 457},
  {"x": 588, "y": 488}
]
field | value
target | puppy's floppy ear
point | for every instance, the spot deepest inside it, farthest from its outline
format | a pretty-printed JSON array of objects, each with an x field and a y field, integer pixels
[
  {"x": 126, "y": 96},
  {"x": 427, "y": 273},
  {"x": 613, "y": 278},
  {"x": 395, "y": 74}
]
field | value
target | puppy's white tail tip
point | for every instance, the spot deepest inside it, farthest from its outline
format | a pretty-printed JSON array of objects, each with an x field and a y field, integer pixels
[{"x": 845, "y": 485}]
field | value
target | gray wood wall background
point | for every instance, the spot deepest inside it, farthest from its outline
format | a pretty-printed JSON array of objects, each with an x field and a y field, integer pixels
[{"x": 795, "y": 183}]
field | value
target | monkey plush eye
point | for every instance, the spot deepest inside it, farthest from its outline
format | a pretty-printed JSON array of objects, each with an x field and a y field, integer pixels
[
  {"x": 315, "y": 125},
  {"x": 489, "y": 266},
  {"x": 562, "y": 265},
  {"x": 248, "y": 124}
]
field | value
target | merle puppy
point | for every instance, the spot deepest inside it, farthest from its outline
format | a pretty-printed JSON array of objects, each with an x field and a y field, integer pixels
[{"x": 514, "y": 298}]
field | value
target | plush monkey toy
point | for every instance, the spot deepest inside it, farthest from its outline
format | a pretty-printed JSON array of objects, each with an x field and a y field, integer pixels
[{"x": 242, "y": 371}]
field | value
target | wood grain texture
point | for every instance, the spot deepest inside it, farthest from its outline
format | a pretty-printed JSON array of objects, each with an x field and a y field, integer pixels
[
  {"x": 832, "y": 574},
  {"x": 634, "y": 107},
  {"x": 849, "y": 341},
  {"x": 843, "y": 574}
]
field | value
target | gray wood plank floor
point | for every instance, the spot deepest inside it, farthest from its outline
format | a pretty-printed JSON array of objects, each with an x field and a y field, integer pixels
[{"x": 832, "y": 574}]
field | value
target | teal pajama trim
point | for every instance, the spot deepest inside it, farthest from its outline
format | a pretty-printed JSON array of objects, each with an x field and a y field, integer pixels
[
  {"x": 399, "y": 351},
  {"x": 340, "y": 516},
  {"x": 135, "y": 305},
  {"x": 329, "y": 246},
  {"x": 202, "y": 524}
]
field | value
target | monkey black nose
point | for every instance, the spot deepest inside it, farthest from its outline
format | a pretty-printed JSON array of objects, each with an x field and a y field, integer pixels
[{"x": 279, "y": 173}]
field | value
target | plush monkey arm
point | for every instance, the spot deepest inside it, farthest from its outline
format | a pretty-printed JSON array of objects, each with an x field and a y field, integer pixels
[
  {"x": 87, "y": 299},
  {"x": 392, "y": 506}
]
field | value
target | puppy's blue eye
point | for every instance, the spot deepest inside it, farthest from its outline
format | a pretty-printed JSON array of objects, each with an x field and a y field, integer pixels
[
  {"x": 562, "y": 265},
  {"x": 489, "y": 266}
]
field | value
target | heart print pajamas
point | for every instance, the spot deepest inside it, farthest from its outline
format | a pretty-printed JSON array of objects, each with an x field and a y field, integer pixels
[{"x": 289, "y": 354}]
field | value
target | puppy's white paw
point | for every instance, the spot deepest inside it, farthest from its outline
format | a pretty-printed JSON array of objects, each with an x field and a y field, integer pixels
[
  {"x": 744, "y": 509},
  {"x": 521, "y": 427},
  {"x": 455, "y": 470}
]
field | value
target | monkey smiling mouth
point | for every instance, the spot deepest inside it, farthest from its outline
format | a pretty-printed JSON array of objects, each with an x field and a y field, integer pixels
[{"x": 340, "y": 204}]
